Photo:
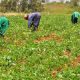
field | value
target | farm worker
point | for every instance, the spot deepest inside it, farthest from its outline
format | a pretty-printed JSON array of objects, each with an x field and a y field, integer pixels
[
  {"x": 33, "y": 20},
  {"x": 74, "y": 17},
  {"x": 4, "y": 24}
]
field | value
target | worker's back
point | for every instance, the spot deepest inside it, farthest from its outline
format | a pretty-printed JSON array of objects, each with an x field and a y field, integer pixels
[
  {"x": 76, "y": 14},
  {"x": 34, "y": 14},
  {"x": 4, "y": 24}
]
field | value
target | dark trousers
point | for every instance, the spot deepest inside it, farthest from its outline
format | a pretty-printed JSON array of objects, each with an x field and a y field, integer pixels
[
  {"x": 74, "y": 19},
  {"x": 36, "y": 22}
]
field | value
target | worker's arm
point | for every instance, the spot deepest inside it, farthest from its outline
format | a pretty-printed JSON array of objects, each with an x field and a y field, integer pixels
[
  {"x": 0, "y": 27},
  {"x": 0, "y": 23},
  {"x": 79, "y": 14}
]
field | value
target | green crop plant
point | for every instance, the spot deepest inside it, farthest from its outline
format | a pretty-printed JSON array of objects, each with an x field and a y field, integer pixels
[{"x": 23, "y": 59}]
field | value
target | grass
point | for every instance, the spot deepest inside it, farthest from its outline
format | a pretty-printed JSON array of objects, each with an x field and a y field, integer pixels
[
  {"x": 23, "y": 59},
  {"x": 58, "y": 8}
]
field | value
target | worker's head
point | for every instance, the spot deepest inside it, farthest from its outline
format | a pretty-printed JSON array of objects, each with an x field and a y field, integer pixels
[{"x": 26, "y": 17}]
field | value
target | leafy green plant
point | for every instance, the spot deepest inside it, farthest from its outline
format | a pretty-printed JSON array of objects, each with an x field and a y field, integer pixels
[{"x": 23, "y": 59}]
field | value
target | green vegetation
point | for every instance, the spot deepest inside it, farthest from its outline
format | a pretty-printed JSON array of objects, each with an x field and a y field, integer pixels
[
  {"x": 20, "y": 5},
  {"x": 60, "y": 8},
  {"x": 51, "y": 53},
  {"x": 23, "y": 59},
  {"x": 36, "y": 5}
]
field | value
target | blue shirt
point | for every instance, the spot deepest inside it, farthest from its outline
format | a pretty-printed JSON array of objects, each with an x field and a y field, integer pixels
[{"x": 34, "y": 18}]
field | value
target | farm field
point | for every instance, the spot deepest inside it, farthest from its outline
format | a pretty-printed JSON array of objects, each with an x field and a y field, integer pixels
[{"x": 51, "y": 53}]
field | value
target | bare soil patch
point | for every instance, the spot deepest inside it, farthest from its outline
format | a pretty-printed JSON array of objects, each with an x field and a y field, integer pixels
[
  {"x": 74, "y": 63},
  {"x": 52, "y": 36},
  {"x": 16, "y": 42},
  {"x": 21, "y": 61},
  {"x": 67, "y": 53},
  {"x": 19, "y": 42}
]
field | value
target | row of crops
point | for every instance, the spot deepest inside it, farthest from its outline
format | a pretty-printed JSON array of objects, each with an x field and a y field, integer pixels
[{"x": 21, "y": 58}]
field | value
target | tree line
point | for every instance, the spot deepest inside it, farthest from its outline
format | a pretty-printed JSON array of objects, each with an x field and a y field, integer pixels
[
  {"x": 26, "y": 5},
  {"x": 20, "y": 5}
]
